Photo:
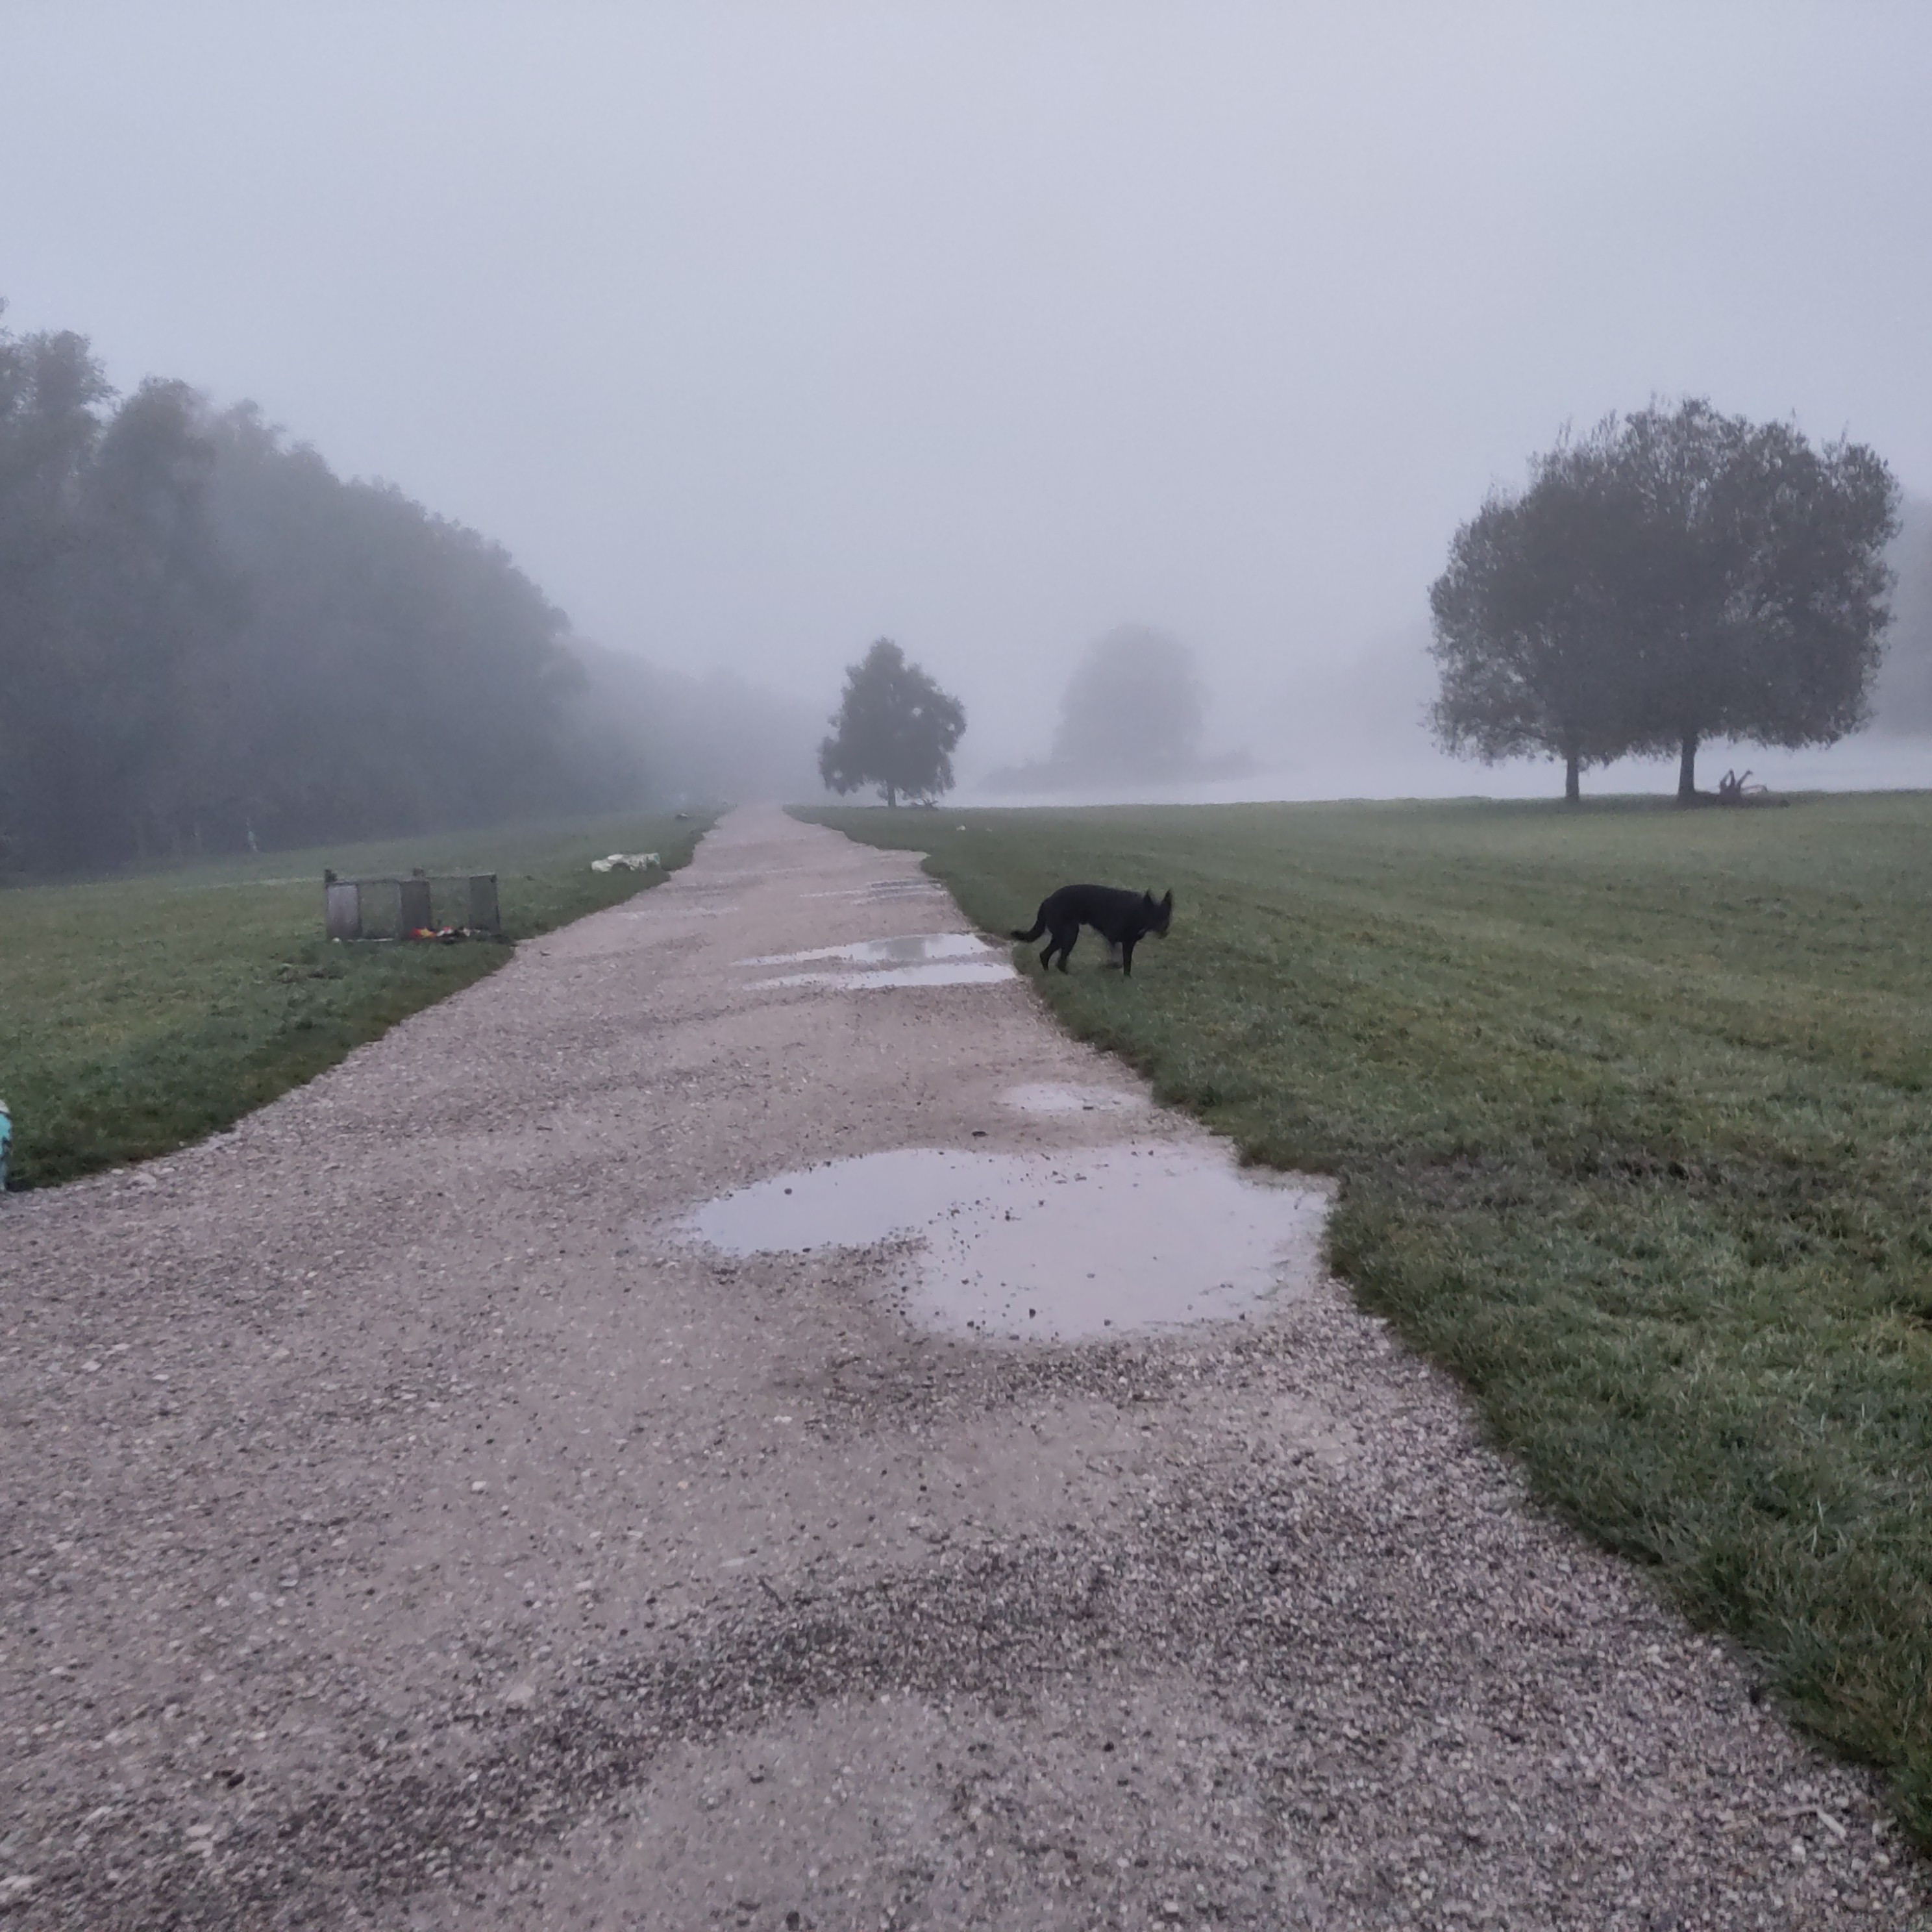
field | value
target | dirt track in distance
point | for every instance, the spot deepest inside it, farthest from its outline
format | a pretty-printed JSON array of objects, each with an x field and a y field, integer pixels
[{"x": 406, "y": 1525}]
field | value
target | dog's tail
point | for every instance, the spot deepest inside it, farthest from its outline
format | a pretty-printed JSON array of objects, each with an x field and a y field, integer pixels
[{"x": 1039, "y": 925}]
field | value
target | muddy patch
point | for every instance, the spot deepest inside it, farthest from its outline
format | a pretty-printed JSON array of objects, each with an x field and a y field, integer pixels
[
  {"x": 1045, "y": 1247},
  {"x": 1045, "y": 1097}
]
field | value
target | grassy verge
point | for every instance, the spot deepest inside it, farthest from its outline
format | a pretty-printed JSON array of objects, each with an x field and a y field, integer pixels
[
  {"x": 1631, "y": 1112},
  {"x": 142, "y": 1012}
]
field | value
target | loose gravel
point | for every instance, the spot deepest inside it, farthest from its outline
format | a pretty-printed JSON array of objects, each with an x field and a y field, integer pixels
[{"x": 403, "y": 1527}]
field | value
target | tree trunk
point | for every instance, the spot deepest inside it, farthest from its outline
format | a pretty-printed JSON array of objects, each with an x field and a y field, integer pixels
[
  {"x": 1573, "y": 791},
  {"x": 1686, "y": 770}
]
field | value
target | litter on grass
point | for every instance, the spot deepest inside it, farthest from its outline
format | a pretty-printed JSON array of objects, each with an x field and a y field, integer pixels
[{"x": 445, "y": 906}]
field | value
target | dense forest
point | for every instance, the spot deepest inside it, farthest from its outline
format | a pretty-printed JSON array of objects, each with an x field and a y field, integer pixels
[{"x": 210, "y": 642}]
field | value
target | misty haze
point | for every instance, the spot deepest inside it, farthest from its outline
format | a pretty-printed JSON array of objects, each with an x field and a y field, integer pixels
[
  {"x": 991, "y": 336},
  {"x": 965, "y": 965}
]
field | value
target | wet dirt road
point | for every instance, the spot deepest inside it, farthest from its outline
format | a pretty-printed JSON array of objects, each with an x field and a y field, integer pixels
[{"x": 461, "y": 1497}]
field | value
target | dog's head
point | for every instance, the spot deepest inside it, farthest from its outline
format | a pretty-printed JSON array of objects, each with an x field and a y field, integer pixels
[{"x": 1159, "y": 912}]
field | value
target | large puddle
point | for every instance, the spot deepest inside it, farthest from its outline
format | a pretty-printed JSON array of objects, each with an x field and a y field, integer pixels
[
  {"x": 1048, "y": 1247},
  {"x": 917, "y": 959}
]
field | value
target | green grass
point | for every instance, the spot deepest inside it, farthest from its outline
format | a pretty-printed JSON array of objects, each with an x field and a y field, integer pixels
[
  {"x": 1630, "y": 1109},
  {"x": 139, "y": 1013}
]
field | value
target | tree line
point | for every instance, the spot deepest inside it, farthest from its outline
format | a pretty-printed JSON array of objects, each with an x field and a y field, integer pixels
[
  {"x": 208, "y": 640},
  {"x": 1674, "y": 576}
]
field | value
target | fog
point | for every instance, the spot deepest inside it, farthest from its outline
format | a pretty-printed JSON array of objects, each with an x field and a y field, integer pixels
[{"x": 757, "y": 333}]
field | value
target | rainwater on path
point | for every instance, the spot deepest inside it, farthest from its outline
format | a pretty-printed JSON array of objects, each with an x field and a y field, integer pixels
[
  {"x": 917, "y": 959},
  {"x": 1045, "y": 1247},
  {"x": 885, "y": 891},
  {"x": 914, "y": 948}
]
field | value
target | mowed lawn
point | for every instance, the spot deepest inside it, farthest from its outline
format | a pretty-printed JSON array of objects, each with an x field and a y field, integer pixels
[
  {"x": 1633, "y": 1110},
  {"x": 140, "y": 1012}
]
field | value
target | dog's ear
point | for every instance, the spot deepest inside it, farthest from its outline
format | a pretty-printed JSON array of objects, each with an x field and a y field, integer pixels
[{"x": 1167, "y": 904}]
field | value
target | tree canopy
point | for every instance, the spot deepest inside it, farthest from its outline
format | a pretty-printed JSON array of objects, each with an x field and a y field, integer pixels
[
  {"x": 895, "y": 728},
  {"x": 1527, "y": 621},
  {"x": 1676, "y": 575}
]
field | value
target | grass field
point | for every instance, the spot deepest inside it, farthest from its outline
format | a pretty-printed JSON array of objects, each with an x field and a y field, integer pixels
[
  {"x": 1632, "y": 1111},
  {"x": 139, "y": 1013}
]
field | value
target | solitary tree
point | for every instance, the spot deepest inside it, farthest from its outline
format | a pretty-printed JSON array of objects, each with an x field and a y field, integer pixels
[
  {"x": 895, "y": 729},
  {"x": 1528, "y": 631}
]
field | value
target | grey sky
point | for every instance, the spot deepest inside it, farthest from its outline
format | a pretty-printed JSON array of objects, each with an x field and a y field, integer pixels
[{"x": 757, "y": 331}]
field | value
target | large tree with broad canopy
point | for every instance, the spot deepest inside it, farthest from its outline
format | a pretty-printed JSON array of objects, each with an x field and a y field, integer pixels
[{"x": 1676, "y": 576}]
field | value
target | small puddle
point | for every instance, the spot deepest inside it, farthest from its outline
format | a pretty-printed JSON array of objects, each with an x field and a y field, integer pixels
[
  {"x": 965, "y": 973},
  {"x": 1044, "y": 1097},
  {"x": 915, "y": 947},
  {"x": 739, "y": 875},
  {"x": 1023, "y": 1247},
  {"x": 884, "y": 890},
  {"x": 917, "y": 959}
]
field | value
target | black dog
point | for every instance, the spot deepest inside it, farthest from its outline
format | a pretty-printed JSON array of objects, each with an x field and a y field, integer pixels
[{"x": 1123, "y": 919}]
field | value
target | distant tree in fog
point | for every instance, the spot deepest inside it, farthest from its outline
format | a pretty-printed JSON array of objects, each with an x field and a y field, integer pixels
[
  {"x": 1679, "y": 575},
  {"x": 1133, "y": 710},
  {"x": 1902, "y": 697},
  {"x": 1131, "y": 716},
  {"x": 895, "y": 729}
]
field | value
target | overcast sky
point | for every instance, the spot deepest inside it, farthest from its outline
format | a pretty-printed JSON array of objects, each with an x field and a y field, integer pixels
[{"x": 757, "y": 331}]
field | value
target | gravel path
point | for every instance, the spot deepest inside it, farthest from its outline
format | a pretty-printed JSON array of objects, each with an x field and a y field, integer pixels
[{"x": 403, "y": 1528}]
